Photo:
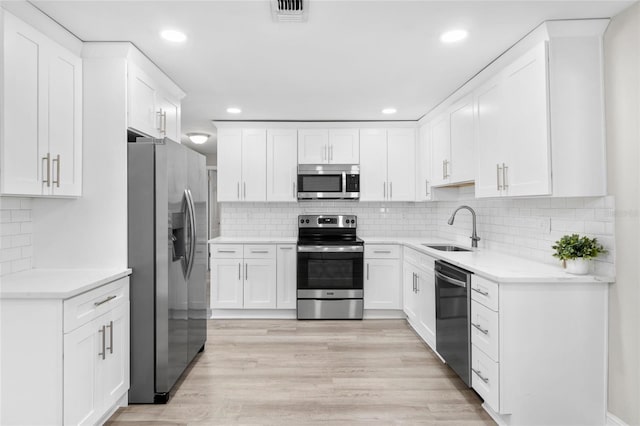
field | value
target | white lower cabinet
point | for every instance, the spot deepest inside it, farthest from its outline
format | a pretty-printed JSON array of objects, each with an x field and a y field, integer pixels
[
  {"x": 382, "y": 283},
  {"x": 539, "y": 351},
  {"x": 78, "y": 362},
  {"x": 286, "y": 279},
  {"x": 253, "y": 276},
  {"x": 419, "y": 294}
]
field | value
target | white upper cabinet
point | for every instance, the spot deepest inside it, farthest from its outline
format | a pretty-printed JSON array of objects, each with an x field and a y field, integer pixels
[
  {"x": 242, "y": 164},
  {"x": 41, "y": 141},
  {"x": 282, "y": 162},
  {"x": 513, "y": 130},
  {"x": 323, "y": 146},
  {"x": 423, "y": 164},
  {"x": 452, "y": 145},
  {"x": 151, "y": 110},
  {"x": 387, "y": 165}
]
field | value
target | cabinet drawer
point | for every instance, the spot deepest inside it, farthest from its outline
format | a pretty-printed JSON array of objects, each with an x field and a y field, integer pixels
[
  {"x": 381, "y": 251},
  {"x": 485, "y": 292},
  {"x": 85, "y": 307},
  {"x": 484, "y": 329},
  {"x": 226, "y": 251},
  {"x": 259, "y": 251},
  {"x": 485, "y": 378}
]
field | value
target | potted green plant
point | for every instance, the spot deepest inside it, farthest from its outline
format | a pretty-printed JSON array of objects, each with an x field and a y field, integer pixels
[{"x": 576, "y": 252}]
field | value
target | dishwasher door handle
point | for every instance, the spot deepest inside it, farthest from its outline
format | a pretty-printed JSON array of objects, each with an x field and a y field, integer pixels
[{"x": 450, "y": 280}]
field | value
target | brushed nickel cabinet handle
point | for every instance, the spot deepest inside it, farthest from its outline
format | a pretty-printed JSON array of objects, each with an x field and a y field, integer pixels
[
  {"x": 102, "y": 302},
  {"x": 103, "y": 354},
  {"x": 479, "y": 328},
  {"x": 57, "y": 163},
  {"x": 477, "y": 290},
  {"x": 382, "y": 251},
  {"x": 367, "y": 271},
  {"x": 479, "y": 374},
  {"x": 110, "y": 327},
  {"x": 498, "y": 170},
  {"x": 48, "y": 160},
  {"x": 226, "y": 251},
  {"x": 246, "y": 271},
  {"x": 505, "y": 184},
  {"x": 384, "y": 190},
  {"x": 238, "y": 271},
  {"x": 426, "y": 187},
  {"x": 238, "y": 187}
]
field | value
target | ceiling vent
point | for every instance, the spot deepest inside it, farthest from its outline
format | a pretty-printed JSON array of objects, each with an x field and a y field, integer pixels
[{"x": 289, "y": 10}]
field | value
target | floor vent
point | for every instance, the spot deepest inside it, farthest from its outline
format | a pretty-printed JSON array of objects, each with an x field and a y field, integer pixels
[{"x": 289, "y": 10}]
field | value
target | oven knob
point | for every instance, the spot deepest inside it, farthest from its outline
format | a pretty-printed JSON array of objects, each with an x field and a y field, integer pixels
[
  {"x": 301, "y": 220},
  {"x": 307, "y": 220},
  {"x": 348, "y": 221}
]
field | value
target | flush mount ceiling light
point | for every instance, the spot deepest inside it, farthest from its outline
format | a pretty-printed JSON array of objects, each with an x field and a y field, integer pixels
[
  {"x": 198, "y": 138},
  {"x": 234, "y": 110},
  {"x": 453, "y": 36},
  {"x": 173, "y": 36},
  {"x": 389, "y": 111}
]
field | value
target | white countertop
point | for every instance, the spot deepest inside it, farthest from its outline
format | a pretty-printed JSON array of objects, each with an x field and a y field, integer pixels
[
  {"x": 487, "y": 263},
  {"x": 56, "y": 283},
  {"x": 253, "y": 240},
  {"x": 493, "y": 265}
]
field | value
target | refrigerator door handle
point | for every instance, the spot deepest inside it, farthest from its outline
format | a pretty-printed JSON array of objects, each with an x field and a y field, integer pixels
[{"x": 192, "y": 231}]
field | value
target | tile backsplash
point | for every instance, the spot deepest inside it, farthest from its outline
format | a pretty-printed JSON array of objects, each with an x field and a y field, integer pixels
[
  {"x": 521, "y": 227},
  {"x": 16, "y": 235}
]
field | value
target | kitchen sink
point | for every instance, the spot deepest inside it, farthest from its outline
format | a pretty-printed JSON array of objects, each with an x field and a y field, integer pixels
[{"x": 446, "y": 247}]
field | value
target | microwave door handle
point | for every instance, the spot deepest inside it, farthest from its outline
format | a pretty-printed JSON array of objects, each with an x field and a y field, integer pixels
[{"x": 344, "y": 183}]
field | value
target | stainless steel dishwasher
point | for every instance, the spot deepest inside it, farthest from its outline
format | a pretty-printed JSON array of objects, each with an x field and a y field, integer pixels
[{"x": 453, "y": 312}]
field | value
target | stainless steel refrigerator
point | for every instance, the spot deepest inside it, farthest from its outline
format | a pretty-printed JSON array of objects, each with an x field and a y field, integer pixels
[{"x": 167, "y": 212}]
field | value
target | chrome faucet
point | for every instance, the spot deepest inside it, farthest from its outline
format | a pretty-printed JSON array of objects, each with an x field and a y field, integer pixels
[{"x": 474, "y": 236}]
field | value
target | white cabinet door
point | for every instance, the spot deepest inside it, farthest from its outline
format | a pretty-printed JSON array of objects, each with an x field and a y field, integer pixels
[
  {"x": 344, "y": 146},
  {"x": 169, "y": 109},
  {"x": 427, "y": 303},
  {"x": 313, "y": 146},
  {"x": 260, "y": 284},
  {"x": 65, "y": 121},
  {"x": 408, "y": 291},
  {"x": 226, "y": 283},
  {"x": 254, "y": 165},
  {"x": 229, "y": 164},
  {"x": 440, "y": 150},
  {"x": 82, "y": 355},
  {"x": 490, "y": 144},
  {"x": 143, "y": 115},
  {"x": 24, "y": 110},
  {"x": 423, "y": 164},
  {"x": 373, "y": 165},
  {"x": 286, "y": 276},
  {"x": 382, "y": 285},
  {"x": 282, "y": 164},
  {"x": 401, "y": 156},
  {"x": 527, "y": 125},
  {"x": 462, "y": 167},
  {"x": 115, "y": 367}
]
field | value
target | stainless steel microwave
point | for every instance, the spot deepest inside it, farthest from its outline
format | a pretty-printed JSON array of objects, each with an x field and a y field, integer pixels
[{"x": 328, "y": 181}]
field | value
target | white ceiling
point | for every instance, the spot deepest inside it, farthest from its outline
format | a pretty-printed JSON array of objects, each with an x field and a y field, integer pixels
[{"x": 347, "y": 62}]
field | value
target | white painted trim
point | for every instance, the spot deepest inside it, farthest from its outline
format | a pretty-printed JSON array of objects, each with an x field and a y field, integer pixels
[
  {"x": 495, "y": 416},
  {"x": 613, "y": 420},
  {"x": 253, "y": 314},
  {"x": 314, "y": 124},
  {"x": 384, "y": 314},
  {"x": 123, "y": 401}
]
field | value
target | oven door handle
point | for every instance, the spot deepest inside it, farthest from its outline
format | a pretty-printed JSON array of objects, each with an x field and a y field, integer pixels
[
  {"x": 450, "y": 280},
  {"x": 330, "y": 249}
]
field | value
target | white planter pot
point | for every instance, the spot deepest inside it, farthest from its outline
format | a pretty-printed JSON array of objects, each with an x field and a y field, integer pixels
[{"x": 578, "y": 266}]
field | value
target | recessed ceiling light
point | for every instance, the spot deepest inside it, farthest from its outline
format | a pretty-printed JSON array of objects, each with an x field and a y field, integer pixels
[
  {"x": 174, "y": 36},
  {"x": 389, "y": 111},
  {"x": 453, "y": 36},
  {"x": 234, "y": 110},
  {"x": 198, "y": 138}
]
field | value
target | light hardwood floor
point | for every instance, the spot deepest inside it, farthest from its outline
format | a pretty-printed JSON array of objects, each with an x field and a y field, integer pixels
[{"x": 287, "y": 372}]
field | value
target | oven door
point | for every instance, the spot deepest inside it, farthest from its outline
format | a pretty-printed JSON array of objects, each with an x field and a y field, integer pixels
[{"x": 330, "y": 272}]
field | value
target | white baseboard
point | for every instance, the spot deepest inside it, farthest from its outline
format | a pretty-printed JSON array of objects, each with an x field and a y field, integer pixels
[
  {"x": 613, "y": 420},
  {"x": 384, "y": 314},
  {"x": 122, "y": 402},
  {"x": 253, "y": 314},
  {"x": 495, "y": 416}
]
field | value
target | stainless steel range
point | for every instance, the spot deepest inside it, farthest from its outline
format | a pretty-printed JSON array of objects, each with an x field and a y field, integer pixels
[{"x": 330, "y": 267}]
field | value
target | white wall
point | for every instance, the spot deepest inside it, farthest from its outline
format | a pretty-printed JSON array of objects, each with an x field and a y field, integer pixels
[
  {"x": 16, "y": 233},
  {"x": 622, "y": 73}
]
